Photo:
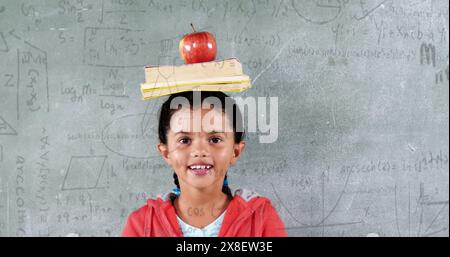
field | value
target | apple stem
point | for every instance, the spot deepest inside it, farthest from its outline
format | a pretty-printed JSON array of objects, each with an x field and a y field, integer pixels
[{"x": 193, "y": 27}]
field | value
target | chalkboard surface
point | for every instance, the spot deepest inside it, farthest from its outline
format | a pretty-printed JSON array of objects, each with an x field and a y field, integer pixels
[{"x": 363, "y": 110}]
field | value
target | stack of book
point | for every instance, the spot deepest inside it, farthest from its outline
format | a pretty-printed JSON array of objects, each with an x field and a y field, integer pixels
[{"x": 224, "y": 75}]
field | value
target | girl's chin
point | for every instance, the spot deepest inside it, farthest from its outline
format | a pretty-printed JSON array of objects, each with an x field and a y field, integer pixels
[{"x": 200, "y": 185}]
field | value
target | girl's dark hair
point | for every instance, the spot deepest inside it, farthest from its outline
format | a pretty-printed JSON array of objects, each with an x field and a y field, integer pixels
[{"x": 166, "y": 114}]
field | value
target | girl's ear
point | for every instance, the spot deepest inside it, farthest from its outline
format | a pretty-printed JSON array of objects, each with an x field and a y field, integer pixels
[
  {"x": 237, "y": 151},
  {"x": 164, "y": 151}
]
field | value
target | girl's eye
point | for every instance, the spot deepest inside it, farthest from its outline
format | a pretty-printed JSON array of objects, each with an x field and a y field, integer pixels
[
  {"x": 216, "y": 140},
  {"x": 184, "y": 140}
]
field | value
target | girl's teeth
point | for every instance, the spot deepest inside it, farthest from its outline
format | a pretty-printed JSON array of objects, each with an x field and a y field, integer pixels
[{"x": 200, "y": 167}]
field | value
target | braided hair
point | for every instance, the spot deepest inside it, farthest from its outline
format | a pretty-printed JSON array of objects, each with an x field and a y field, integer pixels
[{"x": 166, "y": 114}]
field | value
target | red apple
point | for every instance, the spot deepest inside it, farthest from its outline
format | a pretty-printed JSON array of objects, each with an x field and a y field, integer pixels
[{"x": 198, "y": 47}]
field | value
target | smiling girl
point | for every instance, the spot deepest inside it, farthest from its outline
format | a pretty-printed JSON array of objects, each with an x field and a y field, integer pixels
[{"x": 200, "y": 153}]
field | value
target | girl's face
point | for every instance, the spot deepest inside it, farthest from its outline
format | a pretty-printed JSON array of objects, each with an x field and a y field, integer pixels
[{"x": 190, "y": 144}]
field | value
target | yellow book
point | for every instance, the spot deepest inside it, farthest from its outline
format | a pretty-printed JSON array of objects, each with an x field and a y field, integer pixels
[
  {"x": 162, "y": 91},
  {"x": 172, "y": 73},
  {"x": 195, "y": 82}
]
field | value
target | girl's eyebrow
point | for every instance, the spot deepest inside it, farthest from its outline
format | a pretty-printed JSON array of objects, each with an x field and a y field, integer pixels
[
  {"x": 215, "y": 132},
  {"x": 212, "y": 132},
  {"x": 182, "y": 132}
]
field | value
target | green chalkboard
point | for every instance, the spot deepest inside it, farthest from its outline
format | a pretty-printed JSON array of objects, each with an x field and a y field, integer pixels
[{"x": 362, "y": 92}]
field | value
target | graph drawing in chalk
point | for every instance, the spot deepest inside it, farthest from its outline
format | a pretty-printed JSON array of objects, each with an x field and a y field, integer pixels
[
  {"x": 84, "y": 172},
  {"x": 5, "y": 128}
]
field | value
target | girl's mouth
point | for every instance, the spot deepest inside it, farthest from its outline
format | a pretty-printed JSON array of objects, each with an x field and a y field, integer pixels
[{"x": 200, "y": 170}]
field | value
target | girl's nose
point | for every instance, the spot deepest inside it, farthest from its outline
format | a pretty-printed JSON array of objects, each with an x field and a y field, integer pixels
[
  {"x": 199, "y": 149},
  {"x": 197, "y": 154}
]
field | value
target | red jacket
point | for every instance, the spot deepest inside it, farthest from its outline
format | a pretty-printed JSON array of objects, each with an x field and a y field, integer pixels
[{"x": 248, "y": 215}]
